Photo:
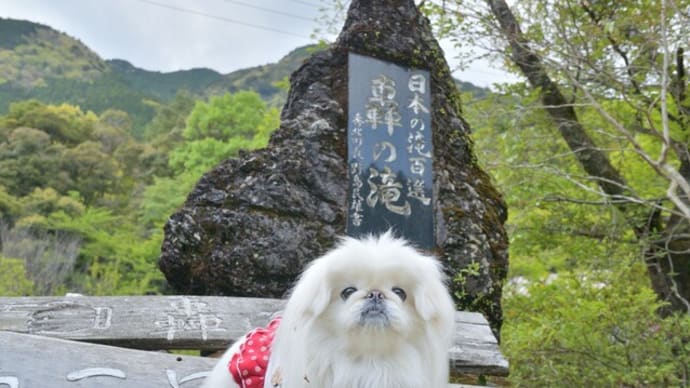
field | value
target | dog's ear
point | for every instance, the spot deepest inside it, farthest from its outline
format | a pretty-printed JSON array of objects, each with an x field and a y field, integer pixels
[
  {"x": 434, "y": 304},
  {"x": 311, "y": 295}
]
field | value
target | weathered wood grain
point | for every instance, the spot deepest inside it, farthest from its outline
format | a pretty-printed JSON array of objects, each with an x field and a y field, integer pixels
[
  {"x": 475, "y": 350},
  {"x": 28, "y": 361},
  {"x": 142, "y": 322},
  {"x": 199, "y": 322}
]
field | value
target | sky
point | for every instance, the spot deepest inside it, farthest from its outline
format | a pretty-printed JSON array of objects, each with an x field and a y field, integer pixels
[{"x": 169, "y": 35}]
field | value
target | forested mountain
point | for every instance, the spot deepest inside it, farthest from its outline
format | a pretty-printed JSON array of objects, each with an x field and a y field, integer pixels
[
  {"x": 96, "y": 152},
  {"x": 39, "y": 62}
]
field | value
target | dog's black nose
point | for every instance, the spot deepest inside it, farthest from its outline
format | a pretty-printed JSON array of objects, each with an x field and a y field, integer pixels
[{"x": 375, "y": 295}]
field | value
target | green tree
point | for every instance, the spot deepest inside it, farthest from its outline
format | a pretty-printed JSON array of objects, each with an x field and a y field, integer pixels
[
  {"x": 240, "y": 121},
  {"x": 221, "y": 127},
  {"x": 64, "y": 123},
  {"x": 164, "y": 132},
  {"x": 578, "y": 310},
  {"x": 594, "y": 151},
  {"x": 71, "y": 177},
  {"x": 225, "y": 117},
  {"x": 607, "y": 83},
  {"x": 170, "y": 119},
  {"x": 43, "y": 202},
  {"x": 13, "y": 280},
  {"x": 165, "y": 196},
  {"x": 112, "y": 130},
  {"x": 201, "y": 155},
  {"x": 117, "y": 119},
  {"x": 596, "y": 329},
  {"x": 9, "y": 206},
  {"x": 29, "y": 159},
  {"x": 93, "y": 171}
]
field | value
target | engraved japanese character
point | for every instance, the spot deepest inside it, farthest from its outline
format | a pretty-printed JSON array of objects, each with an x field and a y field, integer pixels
[
  {"x": 416, "y": 123},
  {"x": 388, "y": 116},
  {"x": 380, "y": 147},
  {"x": 356, "y": 203},
  {"x": 392, "y": 119},
  {"x": 189, "y": 316},
  {"x": 357, "y": 147},
  {"x": 382, "y": 107},
  {"x": 417, "y": 104},
  {"x": 417, "y": 83},
  {"x": 382, "y": 90},
  {"x": 93, "y": 372},
  {"x": 415, "y": 189},
  {"x": 358, "y": 121},
  {"x": 417, "y": 165},
  {"x": 388, "y": 191},
  {"x": 416, "y": 143}
]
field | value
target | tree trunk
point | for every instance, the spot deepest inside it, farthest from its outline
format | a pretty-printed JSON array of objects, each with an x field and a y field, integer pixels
[{"x": 668, "y": 254}]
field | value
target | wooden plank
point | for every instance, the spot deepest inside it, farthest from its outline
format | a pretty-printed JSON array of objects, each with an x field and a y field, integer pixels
[
  {"x": 475, "y": 349},
  {"x": 199, "y": 322},
  {"x": 142, "y": 322},
  {"x": 28, "y": 361}
]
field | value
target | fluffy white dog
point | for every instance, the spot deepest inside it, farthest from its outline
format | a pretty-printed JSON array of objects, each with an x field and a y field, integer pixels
[{"x": 372, "y": 313}]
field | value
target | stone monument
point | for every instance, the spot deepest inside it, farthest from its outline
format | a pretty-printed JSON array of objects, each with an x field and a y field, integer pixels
[{"x": 253, "y": 222}]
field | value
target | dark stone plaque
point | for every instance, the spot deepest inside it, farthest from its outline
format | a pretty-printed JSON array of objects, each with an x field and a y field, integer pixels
[{"x": 390, "y": 151}]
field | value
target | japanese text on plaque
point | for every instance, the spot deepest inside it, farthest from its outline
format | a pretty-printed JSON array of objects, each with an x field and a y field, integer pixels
[{"x": 389, "y": 151}]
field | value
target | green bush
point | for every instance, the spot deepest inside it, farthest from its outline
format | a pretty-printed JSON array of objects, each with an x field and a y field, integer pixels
[
  {"x": 598, "y": 329},
  {"x": 13, "y": 280}
]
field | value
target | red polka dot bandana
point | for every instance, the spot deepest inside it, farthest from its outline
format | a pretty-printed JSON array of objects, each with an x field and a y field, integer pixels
[{"x": 248, "y": 365}]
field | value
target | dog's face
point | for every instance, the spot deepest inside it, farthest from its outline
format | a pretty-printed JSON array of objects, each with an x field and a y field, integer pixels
[
  {"x": 374, "y": 293},
  {"x": 368, "y": 295}
]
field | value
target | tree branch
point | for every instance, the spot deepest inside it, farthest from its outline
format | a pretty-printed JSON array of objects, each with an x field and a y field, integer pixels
[{"x": 595, "y": 162}]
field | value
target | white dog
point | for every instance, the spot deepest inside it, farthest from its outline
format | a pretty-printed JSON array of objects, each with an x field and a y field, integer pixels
[{"x": 372, "y": 313}]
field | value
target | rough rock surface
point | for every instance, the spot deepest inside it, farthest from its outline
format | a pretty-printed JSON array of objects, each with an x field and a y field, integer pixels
[{"x": 252, "y": 223}]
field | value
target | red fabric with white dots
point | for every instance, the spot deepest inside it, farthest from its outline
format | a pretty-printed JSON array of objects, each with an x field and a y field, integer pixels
[{"x": 248, "y": 365}]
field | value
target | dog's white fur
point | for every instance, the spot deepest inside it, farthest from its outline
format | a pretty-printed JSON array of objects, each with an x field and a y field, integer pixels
[{"x": 327, "y": 341}]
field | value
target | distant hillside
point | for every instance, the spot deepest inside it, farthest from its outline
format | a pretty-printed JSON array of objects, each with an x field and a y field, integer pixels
[
  {"x": 13, "y": 32},
  {"x": 163, "y": 85},
  {"x": 39, "y": 62},
  {"x": 263, "y": 79},
  {"x": 477, "y": 91},
  {"x": 31, "y": 54}
]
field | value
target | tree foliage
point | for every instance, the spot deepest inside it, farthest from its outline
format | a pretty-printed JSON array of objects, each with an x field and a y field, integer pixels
[
  {"x": 83, "y": 202},
  {"x": 576, "y": 280},
  {"x": 227, "y": 116},
  {"x": 13, "y": 280},
  {"x": 219, "y": 128},
  {"x": 64, "y": 123},
  {"x": 594, "y": 329},
  {"x": 591, "y": 152}
]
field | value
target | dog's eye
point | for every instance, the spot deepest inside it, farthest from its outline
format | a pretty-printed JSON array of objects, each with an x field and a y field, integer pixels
[
  {"x": 400, "y": 292},
  {"x": 345, "y": 293}
]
